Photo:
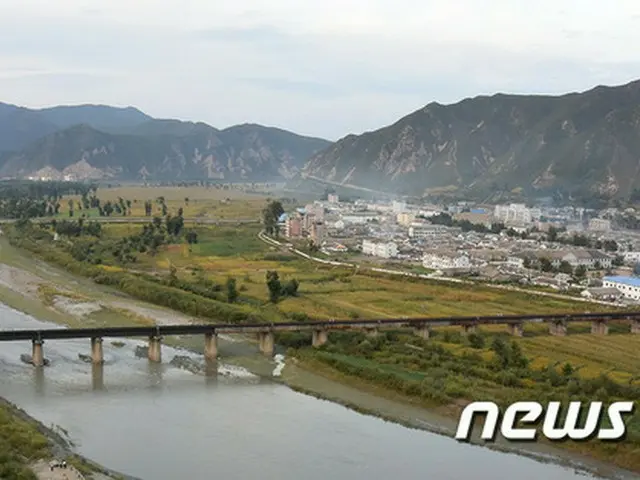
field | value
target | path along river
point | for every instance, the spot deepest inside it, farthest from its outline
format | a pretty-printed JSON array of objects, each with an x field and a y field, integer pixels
[{"x": 160, "y": 422}]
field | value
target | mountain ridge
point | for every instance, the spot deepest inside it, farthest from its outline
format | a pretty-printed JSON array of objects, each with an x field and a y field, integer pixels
[{"x": 580, "y": 142}]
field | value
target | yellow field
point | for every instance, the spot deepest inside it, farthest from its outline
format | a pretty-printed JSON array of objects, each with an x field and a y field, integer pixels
[{"x": 202, "y": 202}]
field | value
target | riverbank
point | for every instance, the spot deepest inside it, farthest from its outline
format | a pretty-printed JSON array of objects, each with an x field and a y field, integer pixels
[
  {"x": 363, "y": 398},
  {"x": 36, "y": 444}
]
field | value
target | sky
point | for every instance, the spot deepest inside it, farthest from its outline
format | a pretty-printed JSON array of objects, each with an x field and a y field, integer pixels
[{"x": 323, "y": 68}]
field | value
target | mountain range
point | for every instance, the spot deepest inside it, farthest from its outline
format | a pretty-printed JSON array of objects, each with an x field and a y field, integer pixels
[
  {"x": 579, "y": 145},
  {"x": 103, "y": 142}
]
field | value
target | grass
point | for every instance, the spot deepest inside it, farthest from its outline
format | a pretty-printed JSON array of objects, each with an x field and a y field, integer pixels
[{"x": 21, "y": 443}]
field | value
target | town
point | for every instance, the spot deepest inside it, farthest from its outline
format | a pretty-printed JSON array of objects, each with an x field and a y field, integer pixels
[{"x": 594, "y": 254}]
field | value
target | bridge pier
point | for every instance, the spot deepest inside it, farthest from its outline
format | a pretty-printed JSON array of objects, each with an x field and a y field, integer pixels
[
  {"x": 211, "y": 346},
  {"x": 319, "y": 338},
  {"x": 266, "y": 343},
  {"x": 558, "y": 329},
  {"x": 97, "y": 355},
  {"x": 423, "y": 332},
  {"x": 37, "y": 353},
  {"x": 469, "y": 328},
  {"x": 635, "y": 326},
  {"x": 155, "y": 350},
  {"x": 599, "y": 327},
  {"x": 516, "y": 329}
]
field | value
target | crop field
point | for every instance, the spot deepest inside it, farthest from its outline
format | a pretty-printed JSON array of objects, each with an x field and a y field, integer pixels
[{"x": 240, "y": 202}]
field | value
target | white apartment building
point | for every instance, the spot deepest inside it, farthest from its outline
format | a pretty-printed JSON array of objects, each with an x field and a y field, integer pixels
[
  {"x": 359, "y": 219},
  {"x": 398, "y": 207},
  {"x": 427, "y": 230},
  {"x": 599, "y": 225},
  {"x": 516, "y": 213},
  {"x": 631, "y": 258},
  {"x": 629, "y": 286},
  {"x": 384, "y": 250},
  {"x": 443, "y": 261},
  {"x": 333, "y": 198}
]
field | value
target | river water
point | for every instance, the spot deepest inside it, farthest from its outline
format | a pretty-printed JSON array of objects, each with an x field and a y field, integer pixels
[{"x": 159, "y": 422}]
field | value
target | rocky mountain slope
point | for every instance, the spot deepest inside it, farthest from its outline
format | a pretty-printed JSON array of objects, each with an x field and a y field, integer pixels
[
  {"x": 99, "y": 142},
  {"x": 581, "y": 144}
]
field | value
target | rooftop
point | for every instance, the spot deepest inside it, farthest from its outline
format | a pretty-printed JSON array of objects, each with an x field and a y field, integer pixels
[{"x": 633, "y": 281}]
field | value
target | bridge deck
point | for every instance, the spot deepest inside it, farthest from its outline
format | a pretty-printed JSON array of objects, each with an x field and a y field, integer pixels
[{"x": 163, "y": 330}]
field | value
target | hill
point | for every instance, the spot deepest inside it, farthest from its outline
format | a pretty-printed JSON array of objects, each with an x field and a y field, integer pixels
[
  {"x": 102, "y": 142},
  {"x": 165, "y": 151},
  {"x": 579, "y": 144}
]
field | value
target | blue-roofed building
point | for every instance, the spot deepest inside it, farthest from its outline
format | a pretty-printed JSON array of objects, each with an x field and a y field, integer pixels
[
  {"x": 629, "y": 286},
  {"x": 283, "y": 218}
]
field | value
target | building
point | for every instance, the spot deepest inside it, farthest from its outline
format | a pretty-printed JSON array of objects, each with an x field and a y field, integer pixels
[
  {"x": 599, "y": 225},
  {"x": 293, "y": 227},
  {"x": 359, "y": 218},
  {"x": 629, "y": 286},
  {"x": 398, "y": 207},
  {"x": 384, "y": 250},
  {"x": 602, "y": 293},
  {"x": 445, "y": 261},
  {"x": 317, "y": 232},
  {"x": 405, "y": 219},
  {"x": 514, "y": 214},
  {"x": 428, "y": 230},
  {"x": 333, "y": 198}
]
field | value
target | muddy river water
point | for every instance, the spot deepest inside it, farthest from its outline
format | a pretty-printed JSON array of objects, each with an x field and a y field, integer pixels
[{"x": 163, "y": 422}]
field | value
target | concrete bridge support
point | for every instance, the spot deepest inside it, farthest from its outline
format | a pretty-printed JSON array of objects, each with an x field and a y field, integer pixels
[
  {"x": 599, "y": 327},
  {"x": 211, "y": 346},
  {"x": 97, "y": 355},
  {"x": 423, "y": 332},
  {"x": 37, "y": 353},
  {"x": 319, "y": 338},
  {"x": 470, "y": 328},
  {"x": 635, "y": 326},
  {"x": 266, "y": 343},
  {"x": 558, "y": 329},
  {"x": 516, "y": 329},
  {"x": 155, "y": 349}
]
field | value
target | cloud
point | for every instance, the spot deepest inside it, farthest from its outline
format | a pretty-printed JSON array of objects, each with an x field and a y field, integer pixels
[{"x": 318, "y": 67}]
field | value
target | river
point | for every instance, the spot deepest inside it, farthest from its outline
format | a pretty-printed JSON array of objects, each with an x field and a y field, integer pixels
[{"x": 160, "y": 422}]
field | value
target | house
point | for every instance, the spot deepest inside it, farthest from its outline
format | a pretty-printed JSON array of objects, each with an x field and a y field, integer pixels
[{"x": 602, "y": 293}]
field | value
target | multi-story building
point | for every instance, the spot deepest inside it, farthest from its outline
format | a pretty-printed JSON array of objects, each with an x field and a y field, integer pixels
[
  {"x": 628, "y": 286},
  {"x": 514, "y": 214},
  {"x": 428, "y": 230},
  {"x": 398, "y": 207},
  {"x": 405, "y": 219},
  {"x": 380, "y": 249},
  {"x": 317, "y": 232},
  {"x": 333, "y": 198},
  {"x": 599, "y": 225},
  {"x": 445, "y": 261},
  {"x": 293, "y": 227}
]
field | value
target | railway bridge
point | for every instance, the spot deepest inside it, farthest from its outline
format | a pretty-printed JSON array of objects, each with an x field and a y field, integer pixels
[{"x": 319, "y": 330}]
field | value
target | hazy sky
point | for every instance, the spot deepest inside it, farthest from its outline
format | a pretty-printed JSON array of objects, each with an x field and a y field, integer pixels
[{"x": 318, "y": 67}]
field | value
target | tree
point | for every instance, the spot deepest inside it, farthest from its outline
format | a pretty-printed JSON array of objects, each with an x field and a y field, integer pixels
[
  {"x": 552, "y": 234},
  {"x": 565, "y": 267},
  {"x": 274, "y": 286},
  {"x": 545, "y": 265},
  {"x": 192, "y": 237},
  {"x": 232, "y": 291},
  {"x": 270, "y": 215},
  {"x": 70, "y": 207},
  {"x": 618, "y": 261},
  {"x": 581, "y": 271},
  {"x": 290, "y": 288}
]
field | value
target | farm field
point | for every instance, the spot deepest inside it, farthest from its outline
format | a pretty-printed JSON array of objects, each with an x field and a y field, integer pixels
[{"x": 232, "y": 202}]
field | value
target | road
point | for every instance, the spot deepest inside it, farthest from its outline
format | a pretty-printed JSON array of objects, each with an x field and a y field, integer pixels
[
  {"x": 43, "y": 472},
  {"x": 275, "y": 243}
]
